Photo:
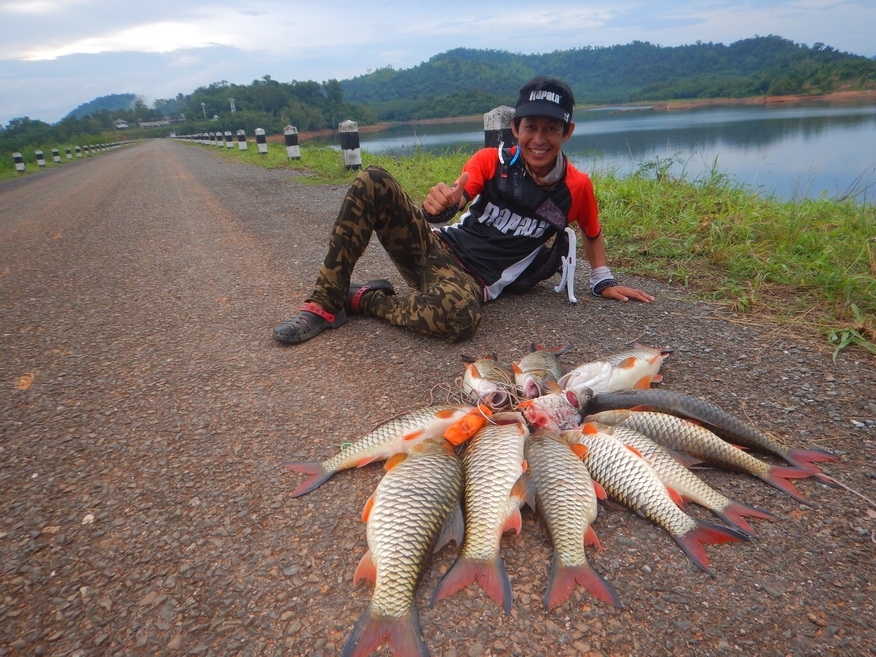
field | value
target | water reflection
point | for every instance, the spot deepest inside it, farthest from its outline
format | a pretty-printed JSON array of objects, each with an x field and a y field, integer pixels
[{"x": 790, "y": 152}]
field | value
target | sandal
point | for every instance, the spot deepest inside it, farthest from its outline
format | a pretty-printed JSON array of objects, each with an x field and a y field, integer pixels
[
  {"x": 353, "y": 303},
  {"x": 310, "y": 321}
]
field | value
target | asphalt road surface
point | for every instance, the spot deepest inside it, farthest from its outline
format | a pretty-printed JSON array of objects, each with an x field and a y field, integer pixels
[{"x": 146, "y": 414}]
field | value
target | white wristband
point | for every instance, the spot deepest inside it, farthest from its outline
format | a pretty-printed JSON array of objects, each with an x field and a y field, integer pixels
[{"x": 599, "y": 274}]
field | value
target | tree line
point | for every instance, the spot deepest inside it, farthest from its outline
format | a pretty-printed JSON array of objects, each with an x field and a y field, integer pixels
[{"x": 464, "y": 82}]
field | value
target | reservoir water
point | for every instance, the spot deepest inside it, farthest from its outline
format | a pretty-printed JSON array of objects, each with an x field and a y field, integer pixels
[{"x": 790, "y": 152}]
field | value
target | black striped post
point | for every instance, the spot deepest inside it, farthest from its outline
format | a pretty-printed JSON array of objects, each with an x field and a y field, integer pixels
[
  {"x": 497, "y": 127},
  {"x": 41, "y": 159},
  {"x": 229, "y": 139},
  {"x": 79, "y": 152},
  {"x": 293, "y": 152},
  {"x": 241, "y": 140},
  {"x": 348, "y": 131},
  {"x": 19, "y": 161},
  {"x": 261, "y": 141},
  {"x": 68, "y": 153},
  {"x": 86, "y": 150},
  {"x": 56, "y": 156}
]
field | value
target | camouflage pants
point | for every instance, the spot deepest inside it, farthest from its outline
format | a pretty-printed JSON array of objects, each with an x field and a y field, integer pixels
[{"x": 445, "y": 299}]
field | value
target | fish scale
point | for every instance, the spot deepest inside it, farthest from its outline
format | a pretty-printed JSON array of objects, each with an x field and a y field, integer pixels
[
  {"x": 567, "y": 503},
  {"x": 408, "y": 510},
  {"x": 393, "y": 437},
  {"x": 493, "y": 466},
  {"x": 690, "y": 438},
  {"x": 630, "y": 480},
  {"x": 675, "y": 475},
  {"x": 724, "y": 424}
]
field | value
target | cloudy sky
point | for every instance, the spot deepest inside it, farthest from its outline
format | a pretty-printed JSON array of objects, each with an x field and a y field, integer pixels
[{"x": 58, "y": 54}]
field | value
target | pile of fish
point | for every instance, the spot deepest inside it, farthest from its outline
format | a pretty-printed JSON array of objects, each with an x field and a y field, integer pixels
[{"x": 533, "y": 433}]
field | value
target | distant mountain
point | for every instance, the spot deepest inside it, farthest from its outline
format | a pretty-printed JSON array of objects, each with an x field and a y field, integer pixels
[
  {"x": 111, "y": 103},
  {"x": 635, "y": 72}
]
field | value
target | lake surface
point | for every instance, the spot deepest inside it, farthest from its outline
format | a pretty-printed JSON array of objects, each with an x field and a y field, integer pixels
[{"x": 791, "y": 152}]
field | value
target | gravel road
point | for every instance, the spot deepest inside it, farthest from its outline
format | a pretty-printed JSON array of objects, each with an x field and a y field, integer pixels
[{"x": 146, "y": 414}]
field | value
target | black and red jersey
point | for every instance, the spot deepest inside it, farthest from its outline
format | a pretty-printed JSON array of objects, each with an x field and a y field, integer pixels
[{"x": 510, "y": 218}]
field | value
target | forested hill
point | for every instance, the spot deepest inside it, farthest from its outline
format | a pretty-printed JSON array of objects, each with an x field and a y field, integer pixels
[
  {"x": 464, "y": 81},
  {"x": 111, "y": 103}
]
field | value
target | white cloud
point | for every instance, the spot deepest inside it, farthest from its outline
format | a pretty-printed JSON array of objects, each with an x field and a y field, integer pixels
[{"x": 57, "y": 54}]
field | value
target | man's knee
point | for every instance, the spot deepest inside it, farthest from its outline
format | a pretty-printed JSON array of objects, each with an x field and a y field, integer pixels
[{"x": 463, "y": 323}]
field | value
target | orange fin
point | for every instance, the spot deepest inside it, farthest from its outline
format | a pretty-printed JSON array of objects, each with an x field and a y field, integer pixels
[
  {"x": 563, "y": 580},
  {"x": 634, "y": 451},
  {"x": 413, "y": 435},
  {"x": 643, "y": 384},
  {"x": 599, "y": 490},
  {"x": 491, "y": 575},
  {"x": 627, "y": 363},
  {"x": 366, "y": 510},
  {"x": 706, "y": 532},
  {"x": 676, "y": 496},
  {"x": 579, "y": 449},
  {"x": 403, "y": 635},
  {"x": 445, "y": 413},
  {"x": 514, "y": 521},
  {"x": 366, "y": 569},
  {"x": 393, "y": 461},
  {"x": 361, "y": 463},
  {"x": 589, "y": 428},
  {"x": 590, "y": 538}
]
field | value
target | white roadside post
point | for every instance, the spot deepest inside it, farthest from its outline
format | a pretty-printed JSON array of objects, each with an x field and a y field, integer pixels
[
  {"x": 290, "y": 134},
  {"x": 497, "y": 127},
  {"x": 261, "y": 141},
  {"x": 348, "y": 132}
]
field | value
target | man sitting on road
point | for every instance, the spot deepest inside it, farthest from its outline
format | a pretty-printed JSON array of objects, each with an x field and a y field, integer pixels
[{"x": 522, "y": 197}]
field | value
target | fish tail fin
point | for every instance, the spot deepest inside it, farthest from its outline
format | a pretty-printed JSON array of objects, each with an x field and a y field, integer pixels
[
  {"x": 318, "y": 475},
  {"x": 736, "y": 512},
  {"x": 706, "y": 533},
  {"x": 779, "y": 477},
  {"x": 491, "y": 575},
  {"x": 805, "y": 459},
  {"x": 564, "y": 578},
  {"x": 402, "y": 634}
]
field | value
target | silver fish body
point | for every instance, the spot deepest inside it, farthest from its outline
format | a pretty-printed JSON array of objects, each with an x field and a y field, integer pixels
[
  {"x": 627, "y": 478},
  {"x": 722, "y": 423},
  {"x": 414, "y": 501},
  {"x": 688, "y": 437},
  {"x": 390, "y": 438},
  {"x": 677, "y": 477},
  {"x": 494, "y": 493},
  {"x": 567, "y": 503}
]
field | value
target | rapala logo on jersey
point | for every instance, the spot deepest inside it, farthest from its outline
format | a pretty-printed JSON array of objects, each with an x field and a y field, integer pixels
[
  {"x": 506, "y": 221},
  {"x": 546, "y": 95}
]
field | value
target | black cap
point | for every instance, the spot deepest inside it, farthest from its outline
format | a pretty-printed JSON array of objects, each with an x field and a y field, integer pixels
[{"x": 545, "y": 97}]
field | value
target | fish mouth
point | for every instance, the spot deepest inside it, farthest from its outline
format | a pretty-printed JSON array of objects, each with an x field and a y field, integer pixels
[
  {"x": 496, "y": 399},
  {"x": 531, "y": 390}
]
